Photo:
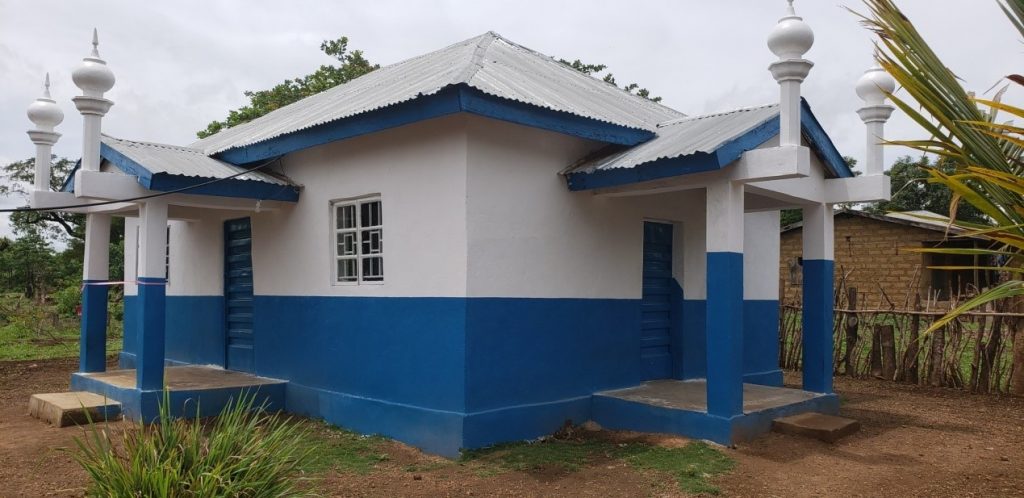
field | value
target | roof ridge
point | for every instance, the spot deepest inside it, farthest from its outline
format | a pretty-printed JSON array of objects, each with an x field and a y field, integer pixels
[
  {"x": 475, "y": 63},
  {"x": 559, "y": 63},
  {"x": 716, "y": 114}
]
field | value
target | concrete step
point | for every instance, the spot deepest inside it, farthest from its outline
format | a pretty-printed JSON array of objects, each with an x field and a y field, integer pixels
[
  {"x": 828, "y": 428},
  {"x": 73, "y": 408}
]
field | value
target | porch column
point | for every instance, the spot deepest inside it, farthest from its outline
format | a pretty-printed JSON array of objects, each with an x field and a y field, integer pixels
[
  {"x": 818, "y": 254},
  {"x": 149, "y": 360},
  {"x": 96, "y": 269},
  {"x": 724, "y": 326}
]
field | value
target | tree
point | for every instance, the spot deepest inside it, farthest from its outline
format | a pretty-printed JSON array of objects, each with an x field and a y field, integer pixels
[
  {"x": 911, "y": 191},
  {"x": 983, "y": 154},
  {"x": 50, "y": 225},
  {"x": 594, "y": 69},
  {"x": 352, "y": 65}
]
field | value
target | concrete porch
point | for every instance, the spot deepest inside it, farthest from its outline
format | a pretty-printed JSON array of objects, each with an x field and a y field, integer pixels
[
  {"x": 192, "y": 389},
  {"x": 680, "y": 407}
]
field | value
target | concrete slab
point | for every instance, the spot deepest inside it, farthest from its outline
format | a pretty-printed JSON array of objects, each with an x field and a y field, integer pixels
[
  {"x": 73, "y": 408},
  {"x": 187, "y": 378},
  {"x": 692, "y": 395},
  {"x": 828, "y": 428}
]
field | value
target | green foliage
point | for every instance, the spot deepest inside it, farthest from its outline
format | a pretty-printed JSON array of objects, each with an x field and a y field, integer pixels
[
  {"x": 981, "y": 149},
  {"x": 30, "y": 330},
  {"x": 594, "y": 69},
  {"x": 691, "y": 465},
  {"x": 49, "y": 225},
  {"x": 912, "y": 191},
  {"x": 245, "y": 451},
  {"x": 345, "y": 451},
  {"x": 66, "y": 300},
  {"x": 353, "y": 64}
]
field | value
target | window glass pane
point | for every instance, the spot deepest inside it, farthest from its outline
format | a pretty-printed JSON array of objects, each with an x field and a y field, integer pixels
[
  {"x": 370, "y": 214},
  {"x": 346, "y": 216},
  {"x": 372, "y": 241},
  {"x": 373, "y": 269},
  {"x": 346, "y": 270},
  {"x": 346, "y": 244}
]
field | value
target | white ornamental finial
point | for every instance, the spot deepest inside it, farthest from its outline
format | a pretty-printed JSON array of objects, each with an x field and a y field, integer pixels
[
  {"x": 44, "y": 112},
  {"x": 96, "y": 42},
  {"x": 792, "y": 37},
  {"x": 93, "y": 76},
  {"x": 874, "y": 87}
]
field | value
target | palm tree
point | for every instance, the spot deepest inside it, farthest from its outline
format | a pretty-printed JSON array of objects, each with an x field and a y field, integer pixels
[{"x": 966, "y": 130}]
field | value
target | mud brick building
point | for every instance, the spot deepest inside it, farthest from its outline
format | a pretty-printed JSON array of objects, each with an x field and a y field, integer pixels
[{"x": 873, "y": 254}]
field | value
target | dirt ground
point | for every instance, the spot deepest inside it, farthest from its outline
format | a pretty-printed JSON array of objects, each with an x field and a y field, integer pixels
[{"x": 914, "y": 442}]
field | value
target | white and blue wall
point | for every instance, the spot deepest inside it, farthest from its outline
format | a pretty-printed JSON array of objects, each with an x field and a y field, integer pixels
[{"x": 507, "y": 302}]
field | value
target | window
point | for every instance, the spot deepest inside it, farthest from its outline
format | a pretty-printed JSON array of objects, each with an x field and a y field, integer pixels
[{"x": 358, "y": 241}]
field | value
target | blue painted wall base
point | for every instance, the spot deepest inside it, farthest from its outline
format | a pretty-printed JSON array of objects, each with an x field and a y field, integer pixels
[{"x": 453, "y": 373}]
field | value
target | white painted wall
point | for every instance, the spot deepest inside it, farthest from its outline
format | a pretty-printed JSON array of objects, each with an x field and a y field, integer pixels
[
  {"x": 419, "y": 171},
  {"x": 761, "y": 255},
  {"x": 529, "y": 236}
]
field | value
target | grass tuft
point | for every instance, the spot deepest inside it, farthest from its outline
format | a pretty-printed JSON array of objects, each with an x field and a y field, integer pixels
[
  {"x": 692, "y": 465},
  {"x": 242, "y": 452},
  {"x": 345, "y": 451}
]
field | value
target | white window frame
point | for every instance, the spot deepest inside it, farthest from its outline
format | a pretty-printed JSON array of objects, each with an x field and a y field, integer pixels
[{"x": 359, "y": 256}]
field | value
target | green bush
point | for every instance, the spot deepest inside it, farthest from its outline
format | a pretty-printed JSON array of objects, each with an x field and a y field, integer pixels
[
  {"x": 244, "y": 452},
  {"x": 67, "y": 300}
]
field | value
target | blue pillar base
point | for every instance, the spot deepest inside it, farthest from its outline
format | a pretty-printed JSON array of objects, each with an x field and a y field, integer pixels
[
  {"x": 724, "y": 327},
  {"x": 149, "y": 341},
  {"x": 817, "y": 324},
  {"x": 93, "y": 339}
]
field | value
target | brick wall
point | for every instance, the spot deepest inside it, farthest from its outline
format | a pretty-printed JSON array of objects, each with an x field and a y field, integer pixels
[{"x": 872, "y": 253}]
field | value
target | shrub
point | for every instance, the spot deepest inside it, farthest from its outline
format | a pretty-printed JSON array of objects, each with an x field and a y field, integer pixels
[
  {"x": 67, "y": 300},
  {"x": 244, "y": 452}
]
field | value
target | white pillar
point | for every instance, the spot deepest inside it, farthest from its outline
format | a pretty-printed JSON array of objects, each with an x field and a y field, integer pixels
[
  {"x": 46, "y": 115},
  {"x": 94, "y": 78},
  {"x": 790, "y": 40},
  {"x": 724, "y": 306},
  {"x": 818, "y": 269},
  {"x": 149, "y": 339},
  {"x": 874, "y": 87}
]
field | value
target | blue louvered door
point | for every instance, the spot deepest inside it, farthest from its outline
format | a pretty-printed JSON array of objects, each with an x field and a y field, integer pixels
[
  {"x": 656, "y": 309},
  {"x": 238, "y": 295}
]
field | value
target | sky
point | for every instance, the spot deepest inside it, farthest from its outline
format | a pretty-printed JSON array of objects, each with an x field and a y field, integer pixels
[{"x": 181, "y": 64}]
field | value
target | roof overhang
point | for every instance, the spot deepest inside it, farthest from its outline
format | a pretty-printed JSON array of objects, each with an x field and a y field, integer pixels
[
  {"x": 196, "y": 185},
  {"x": 449, "y": 100},
  {"x": 726, "y": 153}
]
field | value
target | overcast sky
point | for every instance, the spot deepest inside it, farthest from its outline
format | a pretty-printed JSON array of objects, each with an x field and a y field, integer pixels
[{"x": 181, "y": 64}]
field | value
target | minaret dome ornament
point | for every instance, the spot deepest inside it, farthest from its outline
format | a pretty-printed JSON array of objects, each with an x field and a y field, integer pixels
[
  {"x": 792, "y": 37},
  {"x": 44, "y": 112},
  {"x": 93, "y": 76},
  {"x": 875, "y": 85}
]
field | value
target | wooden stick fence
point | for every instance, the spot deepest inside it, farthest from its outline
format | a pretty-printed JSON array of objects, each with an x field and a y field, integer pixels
[{"x": 981, "y": 351}]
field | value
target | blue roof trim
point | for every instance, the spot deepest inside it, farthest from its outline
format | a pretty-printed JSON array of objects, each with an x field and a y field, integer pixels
[
  {"x": 450, "y": 100},
  {"x": 821, "y": 143},
  {"x": 164, "y": 182},
  {"x": 246, "y": 189},
  {"x": 124, "y": 163},
  {"x": 728, "y": 152},
  {"x": 69, "y": 182}
]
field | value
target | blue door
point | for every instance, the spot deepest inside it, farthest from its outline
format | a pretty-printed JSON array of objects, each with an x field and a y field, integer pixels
[
  {"x": 656, "y": 306},
  {"x": 238, "y": 295}
]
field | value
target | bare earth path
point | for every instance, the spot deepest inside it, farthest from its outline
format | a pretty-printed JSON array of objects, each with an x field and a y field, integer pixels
[{"x": 915, "y": 442}]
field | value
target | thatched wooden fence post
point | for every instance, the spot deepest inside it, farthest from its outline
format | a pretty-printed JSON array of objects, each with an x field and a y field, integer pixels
[{"x": 852, "y": 324}]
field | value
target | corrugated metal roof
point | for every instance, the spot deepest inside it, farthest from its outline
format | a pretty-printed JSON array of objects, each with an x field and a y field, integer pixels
[
  {"x": 683, "y": 137},
  {"x": 183, "y": 161},
  {"x": 488, "y": 63}
]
